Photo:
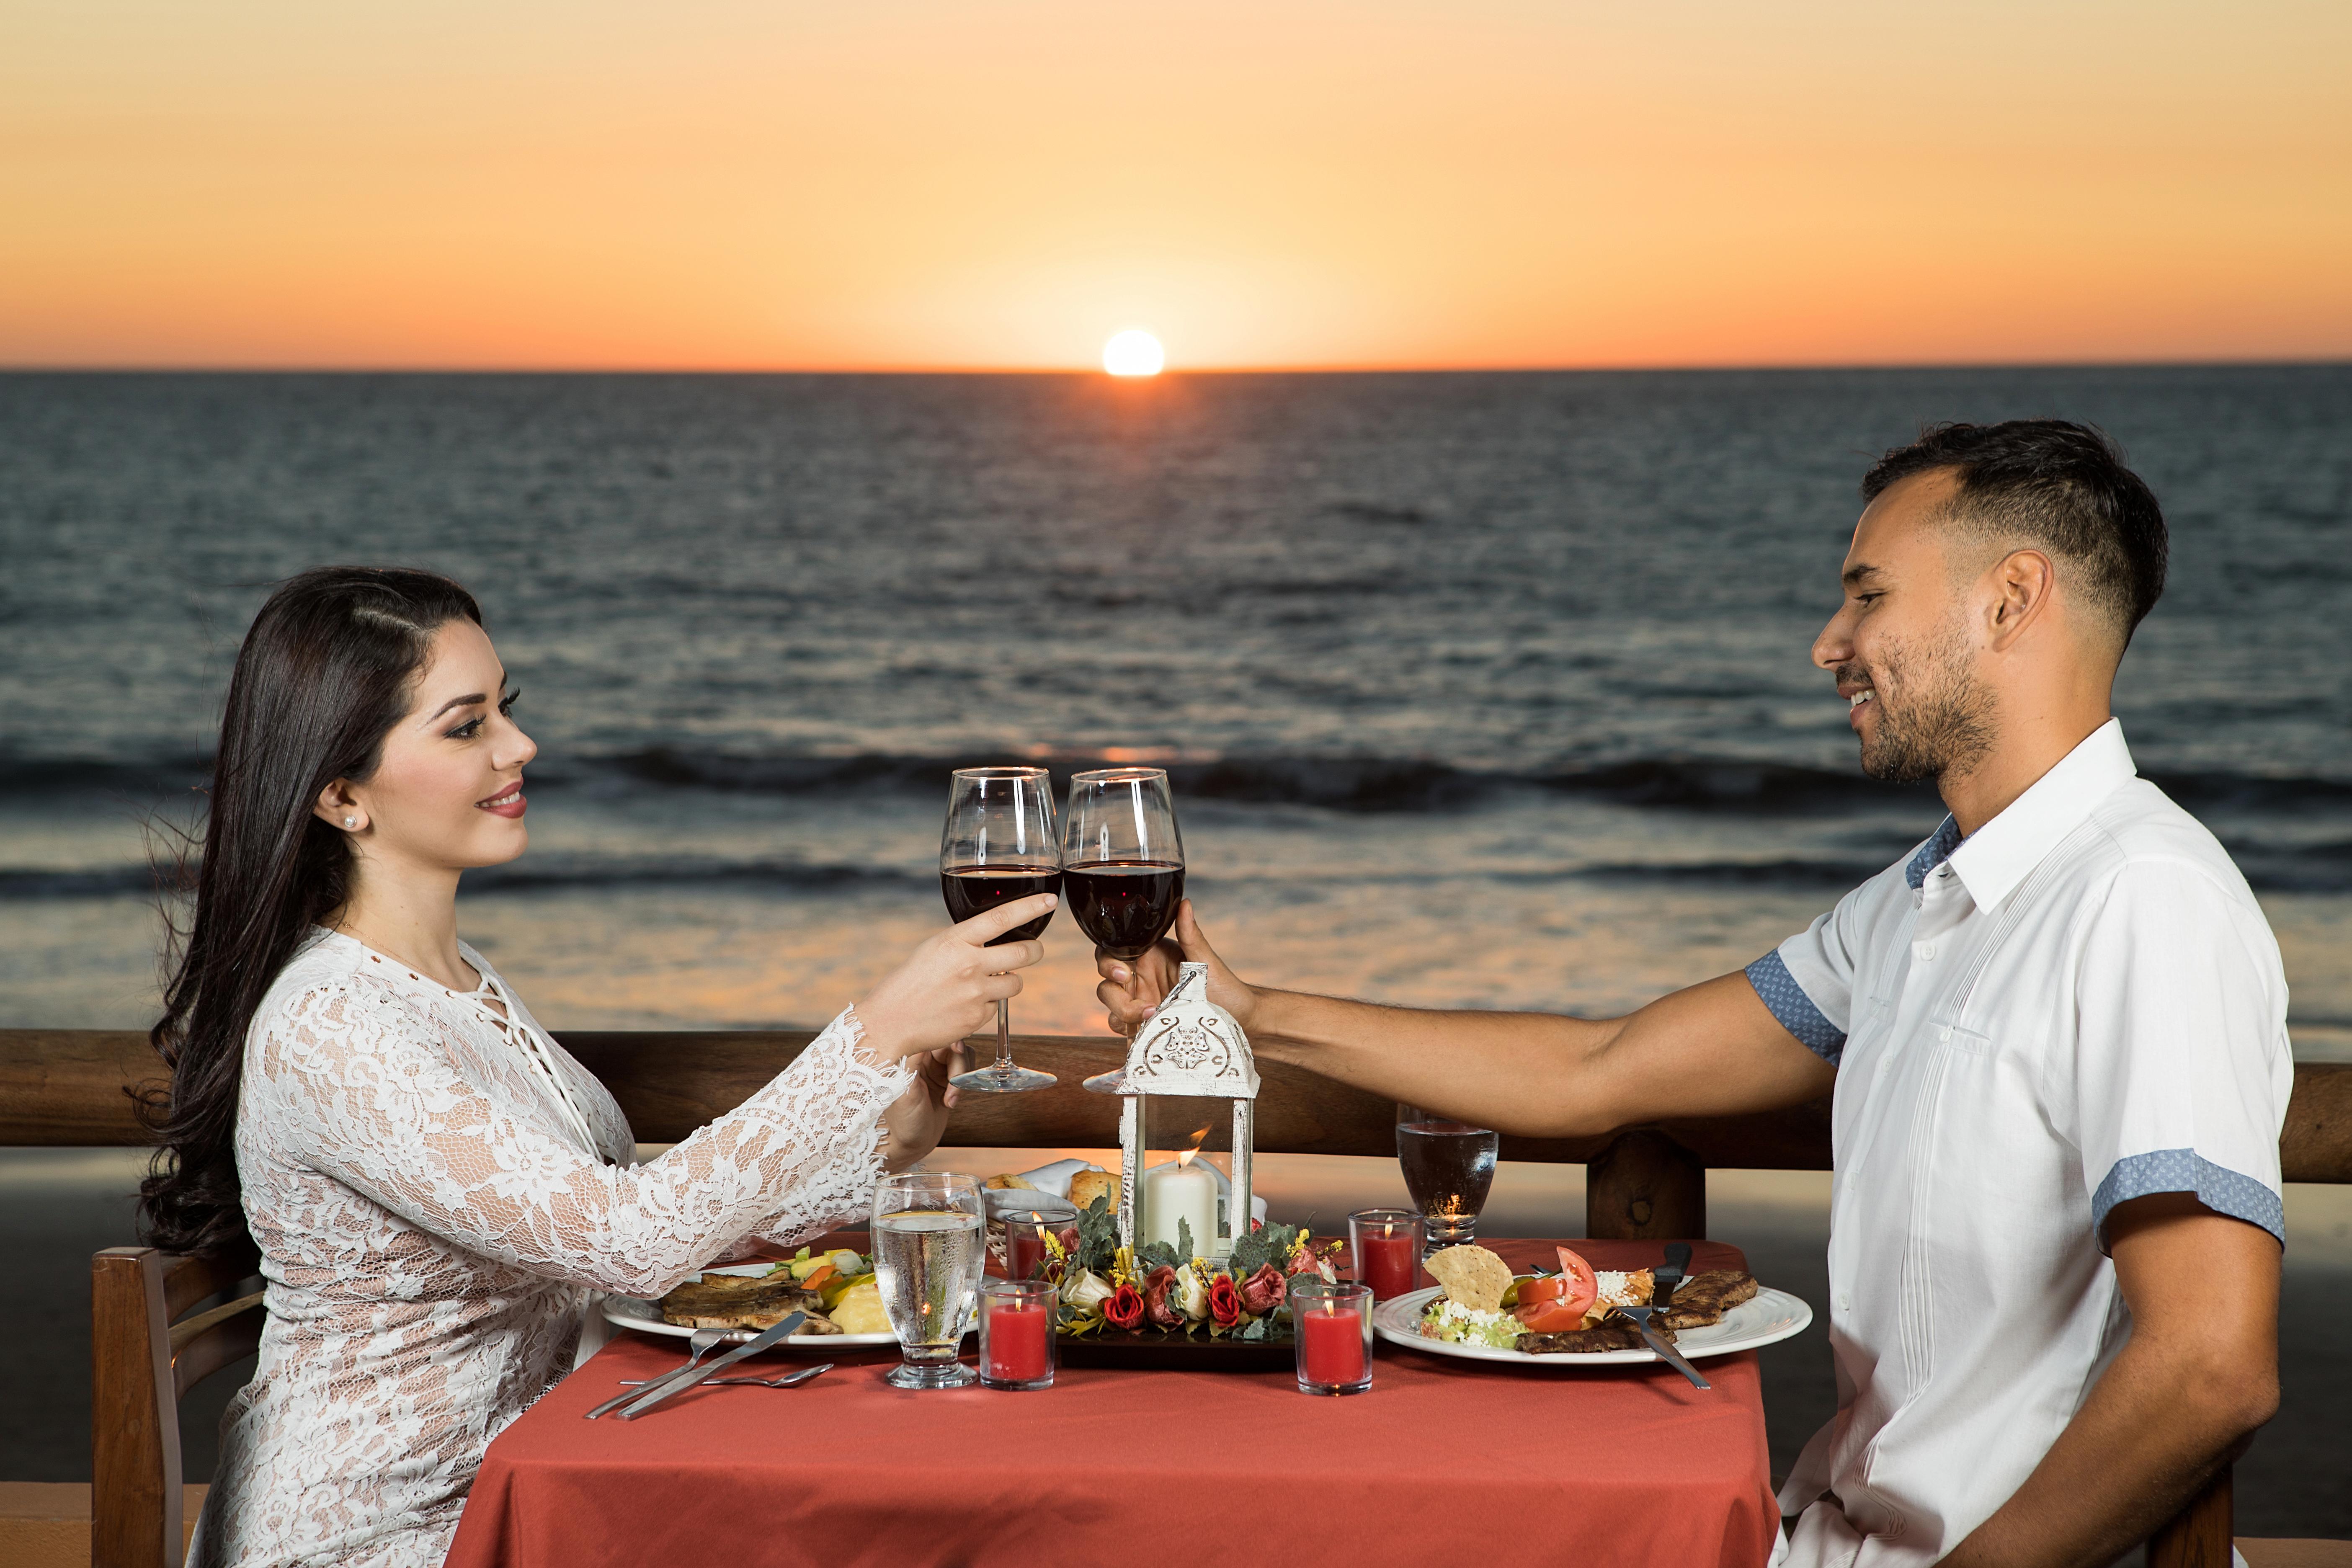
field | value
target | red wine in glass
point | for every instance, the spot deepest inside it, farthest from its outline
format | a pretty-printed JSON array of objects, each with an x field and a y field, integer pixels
[
  {"x": 974, "y": 889},
  {"x": 999, "y": 844},
  {"x": 1124, "y": 905}
]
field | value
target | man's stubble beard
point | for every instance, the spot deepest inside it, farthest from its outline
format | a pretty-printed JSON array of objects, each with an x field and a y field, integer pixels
[{"x": 1943, "y": 721}]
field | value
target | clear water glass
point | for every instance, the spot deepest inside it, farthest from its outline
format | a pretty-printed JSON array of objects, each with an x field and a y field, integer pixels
[
  {"x": 930, "y": 1245},
  {"x": 1448, "y": 1168}
]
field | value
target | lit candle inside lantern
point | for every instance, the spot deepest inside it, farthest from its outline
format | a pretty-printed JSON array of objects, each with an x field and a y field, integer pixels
[{"x": 1179, "y": 1190}]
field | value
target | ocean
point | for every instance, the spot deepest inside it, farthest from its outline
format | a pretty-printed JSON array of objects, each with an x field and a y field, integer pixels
[{"x": 1476, "y": 689}]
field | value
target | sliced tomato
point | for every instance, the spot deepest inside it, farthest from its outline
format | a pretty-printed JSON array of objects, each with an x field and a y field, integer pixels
[
  {"x": 1582, "y": 1289},
  {"x": 1552, "y": 1317}
]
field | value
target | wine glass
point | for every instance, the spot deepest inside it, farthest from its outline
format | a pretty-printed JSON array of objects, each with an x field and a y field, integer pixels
[
  {"x": 999, "y": 846},
  {"x": 931, "y": 1239},
  {"x": 1122, "y": 865}
]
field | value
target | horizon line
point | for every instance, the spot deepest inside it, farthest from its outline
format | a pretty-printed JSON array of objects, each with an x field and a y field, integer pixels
[{"x": 2319, "y": 361}]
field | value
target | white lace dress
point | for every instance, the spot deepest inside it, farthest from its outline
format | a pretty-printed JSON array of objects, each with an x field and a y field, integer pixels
[{"x": 431, "y": 1227}]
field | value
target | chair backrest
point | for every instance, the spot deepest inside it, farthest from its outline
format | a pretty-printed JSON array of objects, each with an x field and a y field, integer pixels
[{"x": 159, "y": 1324}]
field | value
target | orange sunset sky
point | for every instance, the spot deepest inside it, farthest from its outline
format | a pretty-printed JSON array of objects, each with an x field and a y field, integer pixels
[{"x": 992, "y": 183}]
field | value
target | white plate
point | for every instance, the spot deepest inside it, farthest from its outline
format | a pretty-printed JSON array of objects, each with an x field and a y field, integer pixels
[
  {"x": 1766, "y": 1318},
  {"x": 628, "y": 1312}
]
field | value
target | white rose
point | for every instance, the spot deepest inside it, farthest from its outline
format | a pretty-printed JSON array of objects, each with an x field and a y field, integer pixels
[
  {"x": 1084, "y": 1289},
  {"x": 1194, "y": 1298}
]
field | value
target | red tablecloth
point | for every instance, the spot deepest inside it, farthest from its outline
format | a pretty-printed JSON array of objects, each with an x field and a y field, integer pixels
[{"x": 1440, "y": 1460}]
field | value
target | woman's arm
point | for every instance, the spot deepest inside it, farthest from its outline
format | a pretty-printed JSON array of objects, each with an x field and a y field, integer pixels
[{"x": 364, "y": 1090}]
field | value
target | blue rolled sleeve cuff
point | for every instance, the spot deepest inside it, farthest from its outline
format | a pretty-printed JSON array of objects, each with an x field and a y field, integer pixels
[
  {"x": 1779, "y": 990},
  {"x": 2217, "y": 1187}
]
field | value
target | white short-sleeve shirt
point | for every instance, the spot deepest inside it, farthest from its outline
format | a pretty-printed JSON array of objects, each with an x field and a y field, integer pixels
[{"x": 2079, "y": 1005}]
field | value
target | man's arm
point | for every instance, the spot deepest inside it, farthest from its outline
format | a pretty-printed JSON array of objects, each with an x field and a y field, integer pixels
[
  {"x": 2200, "y": 1373},
  {"x": 1711, "y": 1050}
]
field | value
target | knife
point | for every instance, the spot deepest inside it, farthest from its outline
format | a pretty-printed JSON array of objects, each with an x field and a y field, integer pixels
[
  {"x": 679, "y": 1383},
  {"x": 1639, "y": 1317}
]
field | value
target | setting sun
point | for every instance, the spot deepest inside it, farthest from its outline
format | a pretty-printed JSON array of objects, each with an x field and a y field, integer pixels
[{"x": 1133, "y": 352}]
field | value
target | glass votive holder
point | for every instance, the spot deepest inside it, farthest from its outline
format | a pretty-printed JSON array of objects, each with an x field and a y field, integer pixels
[
  {"x": 1015, "y": 1219},
  {"x": 1386, "y": 1247},
  {"x": 1332, "y": 1322},
  {"x": 1016, "y": 1332}
]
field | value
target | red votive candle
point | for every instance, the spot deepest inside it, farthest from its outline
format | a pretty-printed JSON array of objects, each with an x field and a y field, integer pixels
[
  {"x": 1024, "y": 1248},
  {"x": 1334, "y": 1356},
  {"x": 1386, "y": 1244},
  {"x": 1016, "y": 1333}
]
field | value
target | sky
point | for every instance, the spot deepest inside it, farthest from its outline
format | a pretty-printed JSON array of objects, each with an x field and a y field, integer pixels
[{"x": 1005, "y": 183}]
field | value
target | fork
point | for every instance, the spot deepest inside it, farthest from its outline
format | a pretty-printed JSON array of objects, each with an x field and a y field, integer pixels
[
  {"x": 789, "y": 1380},
  {"x": 699, "y": 1345}
]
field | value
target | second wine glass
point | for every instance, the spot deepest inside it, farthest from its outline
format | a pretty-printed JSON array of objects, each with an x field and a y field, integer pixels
[
  {"x": 1122, "y": 858},
  {"x": 999, "y": 844}
]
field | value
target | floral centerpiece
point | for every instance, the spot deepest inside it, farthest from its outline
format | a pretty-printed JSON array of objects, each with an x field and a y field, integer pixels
[{"x": 1160, "y": 1289}]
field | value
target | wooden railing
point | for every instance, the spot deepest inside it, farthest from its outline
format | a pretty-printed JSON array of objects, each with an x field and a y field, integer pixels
[{"x": 68, "y": 1087}]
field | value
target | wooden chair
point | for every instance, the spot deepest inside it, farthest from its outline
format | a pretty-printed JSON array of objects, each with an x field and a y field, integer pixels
[{"x": 159, "y": 1324}]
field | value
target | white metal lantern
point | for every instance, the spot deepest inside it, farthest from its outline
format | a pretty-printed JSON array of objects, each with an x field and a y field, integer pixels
[{"x": 1191, "y": 1046}]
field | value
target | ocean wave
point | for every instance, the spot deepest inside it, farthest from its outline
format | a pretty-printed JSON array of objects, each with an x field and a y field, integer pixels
[{"x": 1747, "y": 787}]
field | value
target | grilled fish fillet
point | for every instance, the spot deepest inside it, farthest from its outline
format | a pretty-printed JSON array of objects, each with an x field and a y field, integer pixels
[
  {"x": 732, "y": 1301},
  {"x": 1704, "y": 1297}
]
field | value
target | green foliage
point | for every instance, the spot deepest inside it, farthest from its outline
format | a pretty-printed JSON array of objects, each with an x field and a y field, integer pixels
[
  {"x": 1156, "y": 1254},
  {"x": 1184, "y": 1242},
  {"x": 1098, "y": 1236},
  {"x": 1260, "y": 1247}
]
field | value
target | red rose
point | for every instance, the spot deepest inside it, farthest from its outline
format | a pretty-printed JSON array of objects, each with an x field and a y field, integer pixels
[
  {"x": 1125, "y": 1308},
  {"x": 1068, "y": 1237},
  {"x": 1262, "y": 1291},
  {"x": 1163, "y": 1313},
  {"x": 1224, "y": 1300}
]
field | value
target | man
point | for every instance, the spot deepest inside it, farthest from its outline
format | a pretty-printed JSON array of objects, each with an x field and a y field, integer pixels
[{"x": 2055, "y": 1034}]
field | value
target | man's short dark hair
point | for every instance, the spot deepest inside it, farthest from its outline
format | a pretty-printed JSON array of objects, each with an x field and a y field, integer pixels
[{"x": 2054, "y": 484}]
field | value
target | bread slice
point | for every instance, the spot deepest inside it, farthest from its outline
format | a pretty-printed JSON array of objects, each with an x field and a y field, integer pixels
[{"x": 1088, "y": 1185}]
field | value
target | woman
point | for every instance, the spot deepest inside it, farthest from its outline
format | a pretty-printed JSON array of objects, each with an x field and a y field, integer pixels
[{"x": 436, "y": 1187}]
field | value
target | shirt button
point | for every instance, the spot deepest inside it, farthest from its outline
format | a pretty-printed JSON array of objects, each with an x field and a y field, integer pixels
[
  {"x": 1944, "y": 1034},
  {"x": 1845, "y": 1304},
  {"x": 1928, "y": 949}
]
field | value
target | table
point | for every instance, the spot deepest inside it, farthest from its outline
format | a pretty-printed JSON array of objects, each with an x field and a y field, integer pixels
[{"x": 1440, "y": 1460}]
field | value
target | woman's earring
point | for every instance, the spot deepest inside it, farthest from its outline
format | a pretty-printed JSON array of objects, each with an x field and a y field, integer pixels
[{"x": 350, "y": 822}]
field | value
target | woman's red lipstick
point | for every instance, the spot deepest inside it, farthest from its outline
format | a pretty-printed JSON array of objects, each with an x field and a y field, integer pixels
[{"x": 508, "y": 803}]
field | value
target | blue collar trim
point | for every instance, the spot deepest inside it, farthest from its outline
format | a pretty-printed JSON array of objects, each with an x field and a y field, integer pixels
[{"x": 1932, "y": 853}]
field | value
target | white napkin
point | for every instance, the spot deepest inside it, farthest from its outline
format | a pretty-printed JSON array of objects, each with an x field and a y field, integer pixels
[{"x": 1055, "y": 1178}]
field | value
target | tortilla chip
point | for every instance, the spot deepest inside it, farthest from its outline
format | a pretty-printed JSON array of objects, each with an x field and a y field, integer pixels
[{"x": 1472, "y": 1276}]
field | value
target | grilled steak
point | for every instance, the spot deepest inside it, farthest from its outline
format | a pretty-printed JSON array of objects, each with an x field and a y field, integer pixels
[
  {"x": 1704, "y": 1297},
  {"x": 732, "y": 1301},
  {"x": 1610, "y": 1334}
]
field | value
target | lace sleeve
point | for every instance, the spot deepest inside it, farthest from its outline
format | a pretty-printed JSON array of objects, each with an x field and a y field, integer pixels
[{"x": 366, "y": 1090}]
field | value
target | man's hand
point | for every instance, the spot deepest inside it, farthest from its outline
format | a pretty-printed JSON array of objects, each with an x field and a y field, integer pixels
[
  {"x": 1131, "y": 989},
  {"x": 918, "y": 1118},
  {"x": 2197, "y": 1376}
]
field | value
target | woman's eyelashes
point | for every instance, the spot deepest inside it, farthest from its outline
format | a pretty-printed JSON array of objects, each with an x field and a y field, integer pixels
[{"x": 473, "y": 727}]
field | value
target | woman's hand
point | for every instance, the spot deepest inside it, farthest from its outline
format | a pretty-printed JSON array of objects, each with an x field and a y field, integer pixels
[
  {"x": 950, "y": 986},
  {"x": 916, "y": 1119},
  {"x": 1131, "y": 989}
]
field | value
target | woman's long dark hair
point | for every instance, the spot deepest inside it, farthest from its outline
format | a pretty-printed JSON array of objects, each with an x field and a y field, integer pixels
[{"x": 324, "y": 674}]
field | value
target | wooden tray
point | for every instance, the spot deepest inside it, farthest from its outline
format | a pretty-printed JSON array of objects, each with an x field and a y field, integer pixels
[{"x": 1189, "y": 1353}]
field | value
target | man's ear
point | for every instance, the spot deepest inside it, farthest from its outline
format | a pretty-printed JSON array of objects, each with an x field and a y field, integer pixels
[
  {"x": 337, "y": 807},
  {"x": 2023, "y": 582}
]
